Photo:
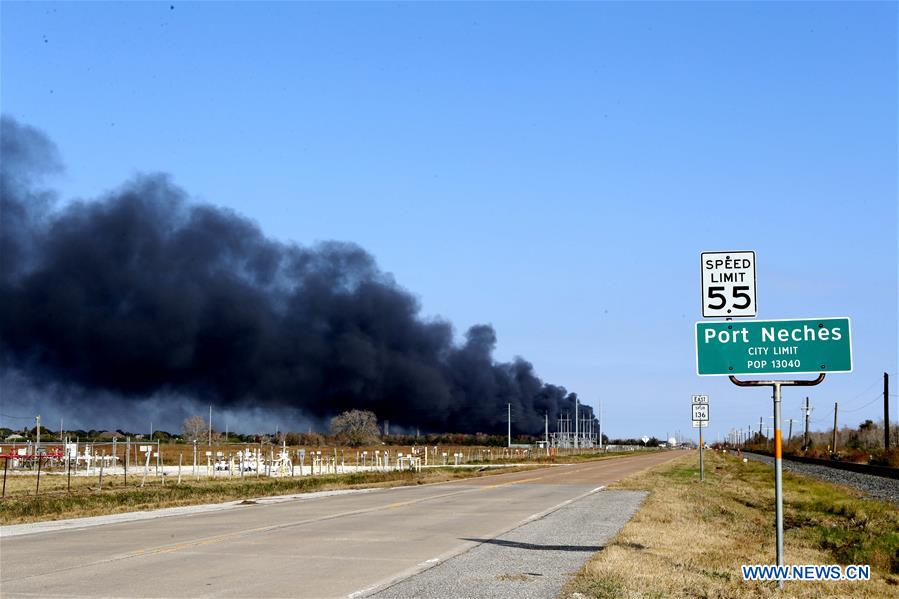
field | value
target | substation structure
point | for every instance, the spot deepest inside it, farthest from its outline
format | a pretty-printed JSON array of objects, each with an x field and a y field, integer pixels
[{"x": 570, "y": 433}]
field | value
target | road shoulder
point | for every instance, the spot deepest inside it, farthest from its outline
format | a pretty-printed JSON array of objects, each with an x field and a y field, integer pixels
[{"x": 532, "y": 560}]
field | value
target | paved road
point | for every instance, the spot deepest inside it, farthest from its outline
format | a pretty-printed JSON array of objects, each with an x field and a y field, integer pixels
[{"x": 329, "y": 547}]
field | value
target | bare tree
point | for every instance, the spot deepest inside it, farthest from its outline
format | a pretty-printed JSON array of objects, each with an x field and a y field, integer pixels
[
  {"x": 194, "y": 427},
  {"x": 355, "y": 427}
]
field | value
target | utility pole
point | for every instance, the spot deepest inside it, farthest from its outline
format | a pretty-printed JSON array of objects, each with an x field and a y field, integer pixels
[
  {"x": 509, "y": 407},
  {"x": 886, "y": 411},
  {"x": 37, "y": 444},
  {"x": 210, "y": 425},
  {"x": 834, "y": 445},
  {"x": 790, "y": 433},
  {"x": 760, "y": 428},
  {"x": 546, "y": 430},
  {"x": 600, "y": 424},
  {"x": 805, "y": 434},
  {"x": 576, "y": 418}
]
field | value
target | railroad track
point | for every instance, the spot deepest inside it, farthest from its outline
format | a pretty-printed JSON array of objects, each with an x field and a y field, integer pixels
[
  {"x": 864, "y": 477},
  {"x": 884, "y": 471}
]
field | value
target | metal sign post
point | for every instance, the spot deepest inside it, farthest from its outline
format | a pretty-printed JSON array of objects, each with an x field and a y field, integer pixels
[
  {"x": 701, "y": 461},
  {"x": 700, "y": 410},
  {"x": 778, "y": 454}
]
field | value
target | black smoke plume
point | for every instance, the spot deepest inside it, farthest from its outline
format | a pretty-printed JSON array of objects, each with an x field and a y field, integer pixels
[{"x": 142, "y": 293}]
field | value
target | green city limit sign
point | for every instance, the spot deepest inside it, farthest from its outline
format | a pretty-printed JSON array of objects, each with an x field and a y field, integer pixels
[{"x": 812, "y": 345}]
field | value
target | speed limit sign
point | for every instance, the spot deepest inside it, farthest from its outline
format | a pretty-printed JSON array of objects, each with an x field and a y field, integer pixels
[{"x": 728, "y": 284}]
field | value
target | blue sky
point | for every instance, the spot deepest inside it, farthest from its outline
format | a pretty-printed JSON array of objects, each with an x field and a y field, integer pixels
[{"x": 553, "y": 169}]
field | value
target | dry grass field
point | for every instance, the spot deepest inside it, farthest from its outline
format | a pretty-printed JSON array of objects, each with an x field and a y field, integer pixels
[
  {"x": 87, "y": 499},
  {"x": 689, "y": 539},
  {"x": 78, "y": 496}
]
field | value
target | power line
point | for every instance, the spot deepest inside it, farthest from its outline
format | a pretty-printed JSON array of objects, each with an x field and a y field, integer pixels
[
  {"x": 17, "y": 417},
  {"x": 868, "y": 388},
  {"x": 877, "y": 397}
]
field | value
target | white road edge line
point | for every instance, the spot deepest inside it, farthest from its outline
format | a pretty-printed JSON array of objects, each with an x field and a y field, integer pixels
[{"x": 464, "y": 548}]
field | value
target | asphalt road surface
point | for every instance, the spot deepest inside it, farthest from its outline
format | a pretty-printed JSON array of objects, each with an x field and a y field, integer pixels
[{"x": 346, "y": 545}]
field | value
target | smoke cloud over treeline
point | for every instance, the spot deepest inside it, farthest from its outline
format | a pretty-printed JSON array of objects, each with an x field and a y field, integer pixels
[{"x": 142, "y": 293}]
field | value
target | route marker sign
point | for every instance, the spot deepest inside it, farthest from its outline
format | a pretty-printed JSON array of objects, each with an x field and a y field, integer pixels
[
  {"x": 701, "y": 399},
  {"x": 810, "y": 346},
  {"x": 728, "y": 284},
  {"x": 700, "y": 411}
]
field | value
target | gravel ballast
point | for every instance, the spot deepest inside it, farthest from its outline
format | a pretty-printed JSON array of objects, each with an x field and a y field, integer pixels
[{"x": 878, "y": 487}]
